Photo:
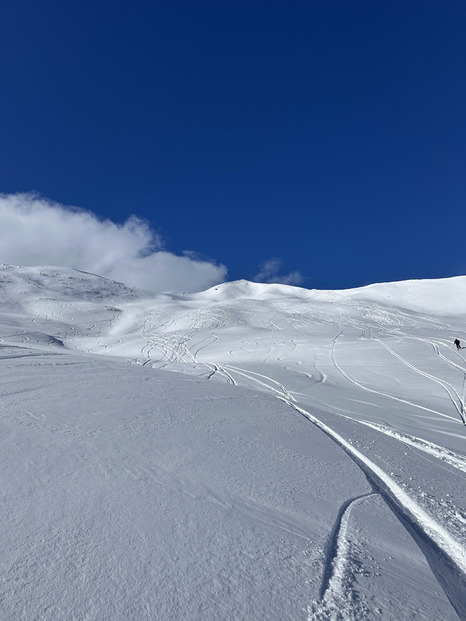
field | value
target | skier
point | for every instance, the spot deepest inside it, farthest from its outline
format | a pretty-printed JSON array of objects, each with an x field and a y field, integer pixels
[{"x": 457, "y": 343}]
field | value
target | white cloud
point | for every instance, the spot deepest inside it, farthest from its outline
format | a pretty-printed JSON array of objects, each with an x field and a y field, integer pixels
[
  {"x": 269, "y": 273},
  {"x": 36, "y": 231}
]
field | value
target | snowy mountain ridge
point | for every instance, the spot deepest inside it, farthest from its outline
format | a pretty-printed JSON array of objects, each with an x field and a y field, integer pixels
[
  {"x": 440, "y": 296},
  {"x": 306, "y": 460}
]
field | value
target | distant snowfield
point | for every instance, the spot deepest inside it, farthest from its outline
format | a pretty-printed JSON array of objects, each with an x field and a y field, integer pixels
[{"x": 305, "y": 458}]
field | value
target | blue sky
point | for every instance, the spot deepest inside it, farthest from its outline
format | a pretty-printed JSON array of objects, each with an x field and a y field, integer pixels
[{"x": 329, "y": 135}]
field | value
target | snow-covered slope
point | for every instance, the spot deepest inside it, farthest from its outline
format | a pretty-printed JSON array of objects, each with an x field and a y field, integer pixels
[{"x": 319, "y": 474}]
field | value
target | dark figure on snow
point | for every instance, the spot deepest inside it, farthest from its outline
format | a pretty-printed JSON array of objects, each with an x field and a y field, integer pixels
[{"x": 457, "y": 343}]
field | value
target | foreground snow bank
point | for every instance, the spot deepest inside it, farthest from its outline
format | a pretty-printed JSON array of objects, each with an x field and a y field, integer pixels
[{"x": 135, "y": 494}]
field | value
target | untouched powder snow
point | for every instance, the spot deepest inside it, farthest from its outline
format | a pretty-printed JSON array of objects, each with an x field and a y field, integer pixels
[{"x": 305, "y": 458}]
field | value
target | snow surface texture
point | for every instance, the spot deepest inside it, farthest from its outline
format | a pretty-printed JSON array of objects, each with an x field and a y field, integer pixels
[{"x": 318, "y": 475}]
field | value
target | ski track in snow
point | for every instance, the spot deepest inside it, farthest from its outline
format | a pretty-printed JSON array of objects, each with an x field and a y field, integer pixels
[
  {"x": 336, "y": 595},
  {"x": 445, "y": 385},
  {"x": 268, "y": 383},
  {"x": 439, "y": 452},
  {"x": 383, "y": 394}
]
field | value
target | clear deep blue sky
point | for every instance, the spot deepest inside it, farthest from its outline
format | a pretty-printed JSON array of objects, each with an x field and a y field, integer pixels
[{"x": 329, "y": 134}]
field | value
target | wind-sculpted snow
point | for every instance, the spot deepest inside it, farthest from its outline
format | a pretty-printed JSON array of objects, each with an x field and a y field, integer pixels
[{"x": 311, "y": 466}]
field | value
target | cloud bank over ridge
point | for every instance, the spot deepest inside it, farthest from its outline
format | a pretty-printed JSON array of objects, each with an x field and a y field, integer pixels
[
  {"x": 269, "y": 272},
  {"x": 37, "y": 231}
]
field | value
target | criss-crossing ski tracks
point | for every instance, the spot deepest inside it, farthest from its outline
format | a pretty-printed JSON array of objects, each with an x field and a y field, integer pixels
[
  {"x": 372, "y": 375},
  {"x": 445, "y": 554},
  {"x": 281, "y": 357}
]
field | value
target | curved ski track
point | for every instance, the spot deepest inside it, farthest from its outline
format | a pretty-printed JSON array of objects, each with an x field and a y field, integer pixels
[{"x": 383, "y": 394}]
